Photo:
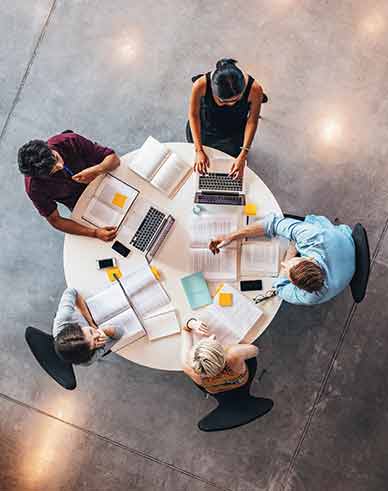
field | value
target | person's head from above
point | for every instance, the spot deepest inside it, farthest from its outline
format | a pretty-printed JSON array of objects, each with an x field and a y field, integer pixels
[
  {"x": 228, "y": 82},
  {"x": 76, "y": 344},
  {"x": 305, "y": 273},
  {"x": 208, "y": 357},
  {"x": 37, "y": 159}
]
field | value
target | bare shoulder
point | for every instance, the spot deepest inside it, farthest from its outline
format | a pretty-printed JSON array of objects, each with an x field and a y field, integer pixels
[
  {"x": 199, "y": 85},
  {"x": 190, "y": 372},
  {"x": 256, "y": 91}
]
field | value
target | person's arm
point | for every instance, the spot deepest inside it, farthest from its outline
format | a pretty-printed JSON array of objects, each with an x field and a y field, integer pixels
[
  {"x": 255, "y": 229},
  {"x": 69, "y": 226},
  {"x": 201, "y": 160},
  {"x": 243, "y": 351},
  {"x": 82, "y": 307},
  {"x": 255, "y": 98},
  {"x": 110, "y": 163},
  {"x": 290, "y": 253},
  {"x": 65, "y": 309}
]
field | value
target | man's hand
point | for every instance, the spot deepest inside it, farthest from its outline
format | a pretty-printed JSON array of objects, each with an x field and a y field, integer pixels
[
  {"x": 291, "y": 252},
  {"x": 87, "y": 175},
  {"x": 216, "y": 244},
  {"x": 201, "y": 162},
  {"x": 106, "y": 233},
  {"x": 199, "y": 327},
  {"x": 237, "y": 169}
]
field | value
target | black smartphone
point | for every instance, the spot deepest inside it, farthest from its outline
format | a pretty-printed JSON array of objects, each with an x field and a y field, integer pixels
[
  {"x": 251, "y": 285},
  {"x": 120, "y": 248}
]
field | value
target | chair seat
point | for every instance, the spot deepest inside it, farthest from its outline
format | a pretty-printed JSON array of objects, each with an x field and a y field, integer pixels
[
  {"x": 42, "y": 347},
  {"x": 359, "y": 281},
  {"x": 236, "y": 413}
]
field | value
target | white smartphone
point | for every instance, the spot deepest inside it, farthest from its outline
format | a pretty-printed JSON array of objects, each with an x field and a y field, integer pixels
[{"x": 106, "y": 263}]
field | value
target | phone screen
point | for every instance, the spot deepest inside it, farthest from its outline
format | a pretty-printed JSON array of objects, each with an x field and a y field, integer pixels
[
  {"x": 252, "y": 285},
  {"x": 120, "y": 248},
  {"x": 105, "y": 263}
]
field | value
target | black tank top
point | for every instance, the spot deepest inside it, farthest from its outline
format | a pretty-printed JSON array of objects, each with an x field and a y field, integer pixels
[{"x": 226, "y": 120}]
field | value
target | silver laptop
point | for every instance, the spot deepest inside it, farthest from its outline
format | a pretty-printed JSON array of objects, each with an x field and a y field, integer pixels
[
  {"x": 145, "y": 228},
  {"x": 217, "y": 188}
]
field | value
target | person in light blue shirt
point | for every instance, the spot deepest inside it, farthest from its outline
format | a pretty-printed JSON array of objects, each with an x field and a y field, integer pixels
[
  {"x": 77, "y": 339},
  {"x": 319, "y": 263}
]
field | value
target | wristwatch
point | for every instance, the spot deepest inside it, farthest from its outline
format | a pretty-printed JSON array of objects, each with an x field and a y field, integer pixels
[{"x": 186, "y": 326}]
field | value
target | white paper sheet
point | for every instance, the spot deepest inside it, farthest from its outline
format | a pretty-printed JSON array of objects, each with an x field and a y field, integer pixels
[
  {"x": 205, "y": 228},
  {"x": 107, "y": 304},
  {"x": 162, "y": 325},
  {"x": 230, "y": 324},
  {"x": 260, "y": 257},
  {"x": 149, "y": 158},
  {"x": 101, "y": 215},
  {"x": 131, "y": 325},
  {"x": 222, "y": 266}
]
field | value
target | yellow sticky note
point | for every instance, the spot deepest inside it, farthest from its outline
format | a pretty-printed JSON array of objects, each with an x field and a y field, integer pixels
[
  {"x": 218, "y": 287},
  {"x": 155, "y": 272},
  {"x": 225, "y": 299},
  {"x": 119, "y": 200},
  {"x": 113, "y": 271},
  {"x": 250, "y": 209}
]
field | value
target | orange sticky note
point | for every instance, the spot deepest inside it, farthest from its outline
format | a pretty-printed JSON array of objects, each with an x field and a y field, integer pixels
[
  {"x": 218, "y": 288},
  {"x": 225, "y": 299},
  {"x": 250, "y": 209},
  {"x": 119, "y": 200},
  {"x": 113, "y": 271}
]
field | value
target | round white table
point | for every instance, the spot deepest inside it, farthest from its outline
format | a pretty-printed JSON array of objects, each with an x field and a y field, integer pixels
[{"x": 172, "y": 259}]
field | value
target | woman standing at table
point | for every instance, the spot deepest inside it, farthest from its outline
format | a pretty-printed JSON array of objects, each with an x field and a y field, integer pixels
[
  {"x": 224, "y": 112},
  {"x": 210, "y": 365}
]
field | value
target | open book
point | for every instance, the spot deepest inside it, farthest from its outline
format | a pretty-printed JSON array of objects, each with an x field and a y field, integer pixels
[
  {"x": 110, "y": 202},
  {"x": 160, "y": 166},
  {"x": 111, "y": 306},
  {"x": 161, "y": 325},
  {"x": 260, "y": 257},
  {"x": 230, "y": 324},
  {"x": 222, "y": 266}
]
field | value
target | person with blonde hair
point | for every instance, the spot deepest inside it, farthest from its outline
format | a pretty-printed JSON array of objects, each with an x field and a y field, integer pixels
[{"x": 210, "y": 365}]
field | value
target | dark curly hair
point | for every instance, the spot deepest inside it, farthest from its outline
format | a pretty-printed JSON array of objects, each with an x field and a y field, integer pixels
[
  {"x": 35, "y": 159},
  {"x": 71, "y": 344}
]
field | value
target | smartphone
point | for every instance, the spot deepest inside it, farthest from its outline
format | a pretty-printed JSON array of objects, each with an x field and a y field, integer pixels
[
  {"x": 106, "y": 263},
  {"x": 251, "y": 285},
  {"x": 120, "y": 248}
]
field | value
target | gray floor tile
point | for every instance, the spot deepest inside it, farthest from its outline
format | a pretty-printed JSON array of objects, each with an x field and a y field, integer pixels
[
  {"x": 348, "y": 431},
  {"x": 39, "y": 452}
]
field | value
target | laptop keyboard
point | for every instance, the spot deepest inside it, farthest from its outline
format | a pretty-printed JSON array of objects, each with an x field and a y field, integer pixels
[
  {"x": 220, "y": 199},
  {"x": 147, "y": 229},
  {"x": 220, "y": 182}
]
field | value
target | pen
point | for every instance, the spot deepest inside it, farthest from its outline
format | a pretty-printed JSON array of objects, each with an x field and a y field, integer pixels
[{"x": 69, "y": 171}]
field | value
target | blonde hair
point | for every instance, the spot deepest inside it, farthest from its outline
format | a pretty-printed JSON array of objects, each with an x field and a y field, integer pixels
[{"x": 208, "y": 358}]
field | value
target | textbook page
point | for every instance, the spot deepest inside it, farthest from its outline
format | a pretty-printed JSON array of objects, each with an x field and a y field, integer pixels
[
  {"x": 230, "y": 324},
  {"x": 161, "y": 325},
  {"x": 149, "y": 158},
  {"x": 171, "y": 174},
  {"x": 145, "y": 292},
  {"x": 260, "y": 256},
  {"x": 205, "y": 228},
  {"x": 116, "y": 194},
  {"x": 101, "y": 215},
  {"x": 130, "y": 324},
  {"x": 107, "y": 304},
  {"x": 221, "y": 266}
]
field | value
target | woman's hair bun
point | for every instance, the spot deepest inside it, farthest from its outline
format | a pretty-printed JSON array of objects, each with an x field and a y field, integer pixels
[{"x": 224, "y": 62}]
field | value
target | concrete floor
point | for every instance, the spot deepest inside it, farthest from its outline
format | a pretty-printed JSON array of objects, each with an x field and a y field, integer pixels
[{"x": 118, "y": 71}]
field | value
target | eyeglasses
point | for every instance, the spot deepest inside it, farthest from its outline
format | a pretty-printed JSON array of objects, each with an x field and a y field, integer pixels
[{"x": 265, "y": 296}]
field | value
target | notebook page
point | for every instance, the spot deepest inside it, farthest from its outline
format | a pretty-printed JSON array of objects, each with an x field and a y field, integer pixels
[
  {"x": 222, "y": 266},
  {"x": 162, "y": 325},
  {"x": 101, "y": 215},
  {"x": 130, "y": 324},
  {"x": 170, "y": 174},
  {"x": 205, "y": 228},
  {"x": 110, "y": 187},
  {"x": 107, "y": 304},
  {"x": 145, "y": 292},
  {"x": 231, "y": 324},
  {"x": 149, "y": 158},
  {"x": 260, "y": 257}
]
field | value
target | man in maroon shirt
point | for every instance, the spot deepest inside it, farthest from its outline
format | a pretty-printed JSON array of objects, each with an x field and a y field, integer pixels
[{"x": 57, "y": 171}]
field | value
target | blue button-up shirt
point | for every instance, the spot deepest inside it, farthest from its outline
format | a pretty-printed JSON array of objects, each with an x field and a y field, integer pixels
[{"x": 331, "y": 246}]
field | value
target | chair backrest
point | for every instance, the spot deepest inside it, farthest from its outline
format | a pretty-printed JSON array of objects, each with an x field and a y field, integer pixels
[
  {"x": 42, "y": 346},
  {"x": 359, "y": 281}
]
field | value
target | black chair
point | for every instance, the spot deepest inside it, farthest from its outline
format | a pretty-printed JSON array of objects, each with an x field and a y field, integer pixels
[
  {"x": 235, "y": 407},
  {"x": 359, "y": 282},
  {"x": 42, "y": 346}
]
